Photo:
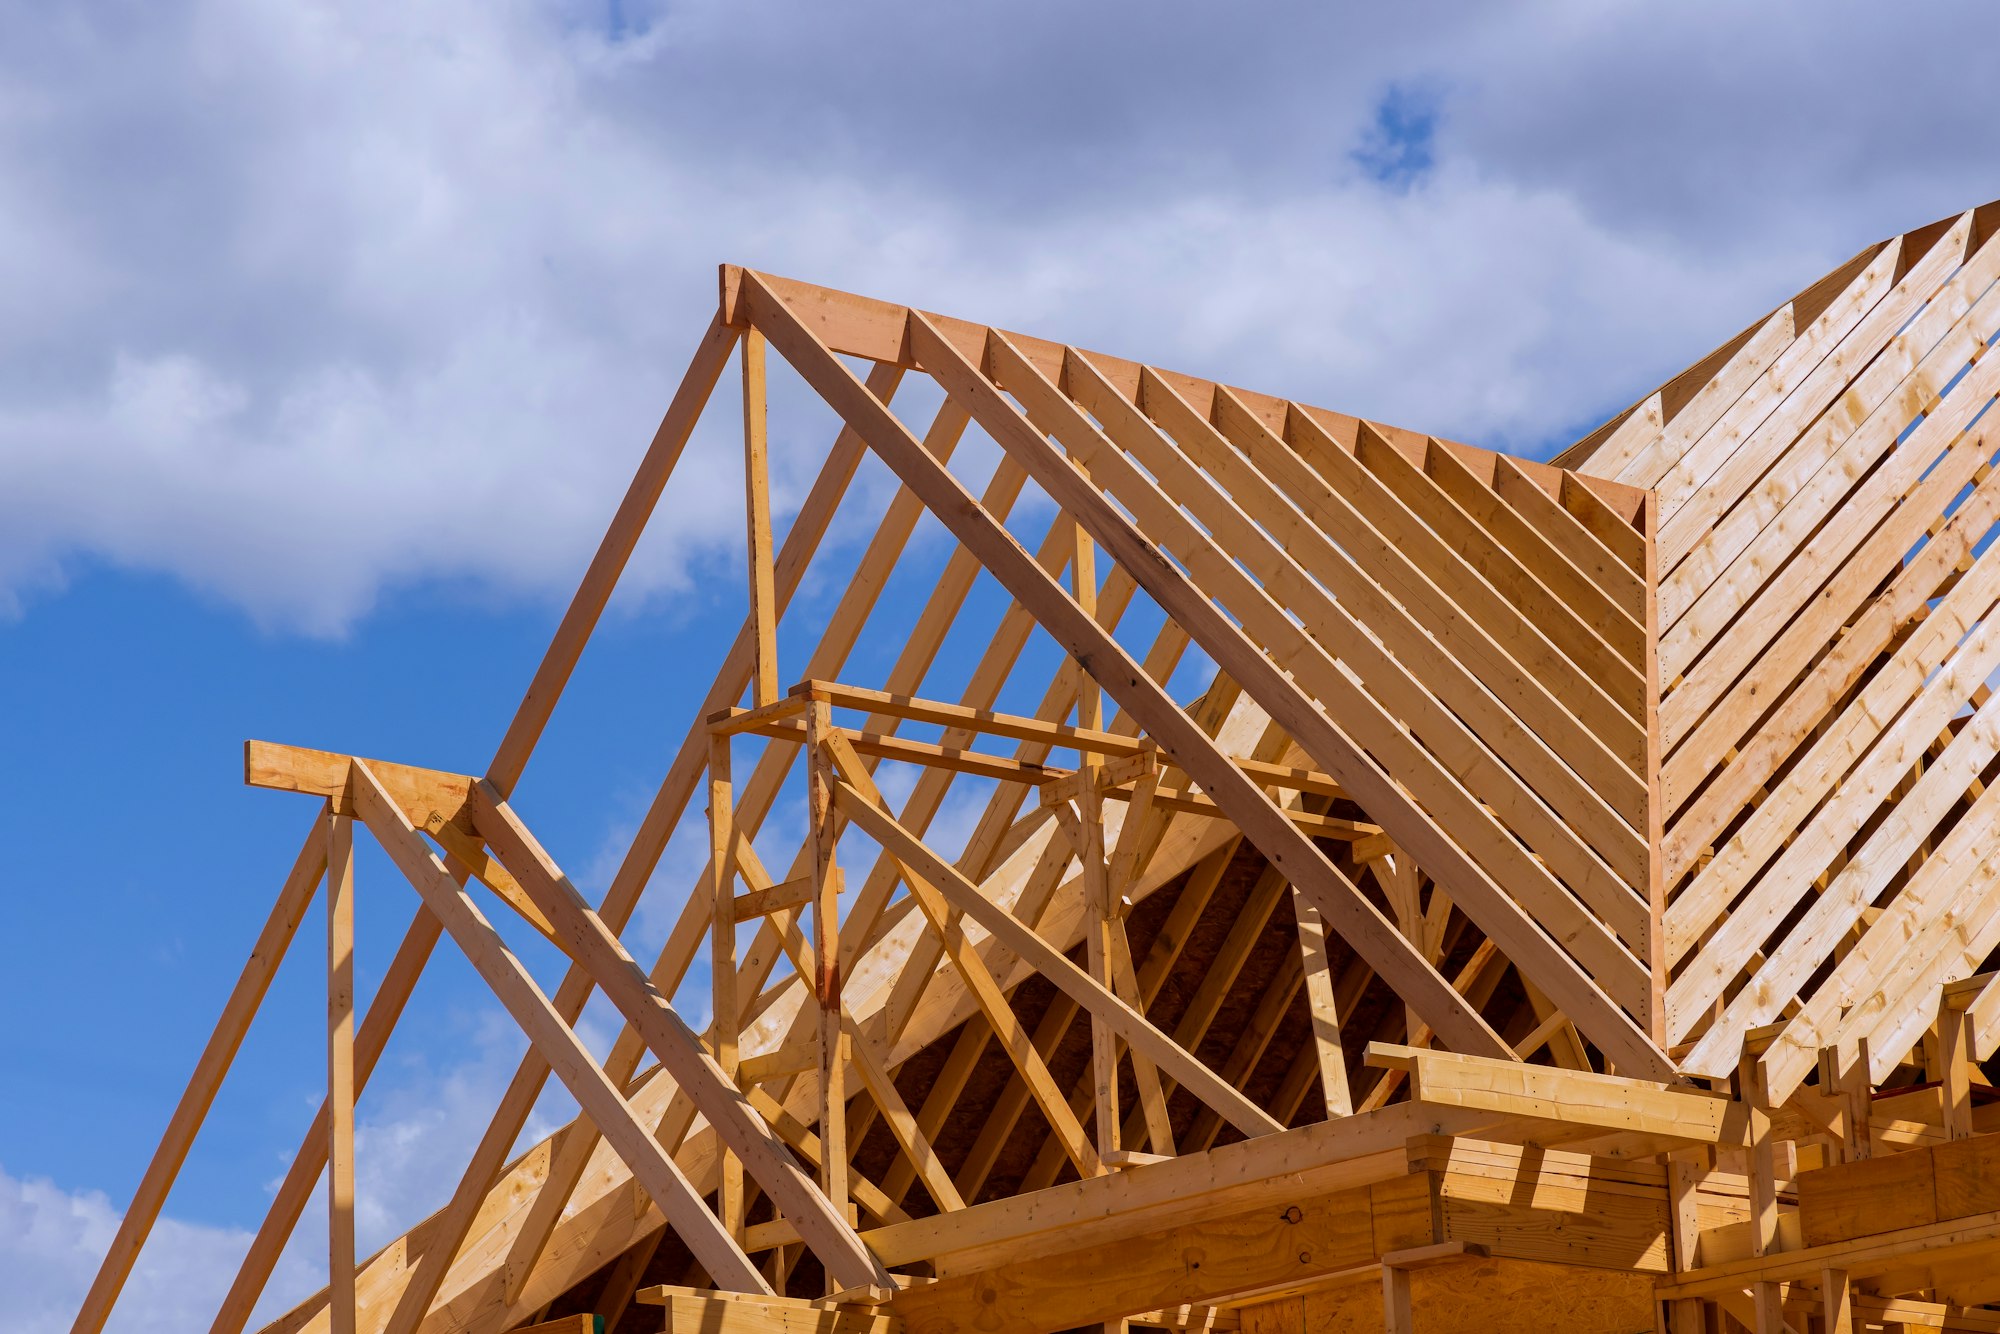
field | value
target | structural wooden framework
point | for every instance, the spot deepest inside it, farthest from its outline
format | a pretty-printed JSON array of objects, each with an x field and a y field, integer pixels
[{"x": 1347, "y": 877}]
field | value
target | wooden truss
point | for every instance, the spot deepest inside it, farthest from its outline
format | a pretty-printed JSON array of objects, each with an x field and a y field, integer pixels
[{"x": 1488, "y": 886}]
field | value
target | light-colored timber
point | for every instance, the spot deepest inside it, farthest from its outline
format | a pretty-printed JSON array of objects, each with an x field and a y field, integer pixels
[{"x": 1347, "y": 879}]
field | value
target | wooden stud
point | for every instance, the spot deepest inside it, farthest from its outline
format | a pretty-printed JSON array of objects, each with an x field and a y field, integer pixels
[
  {"x": 757, "y": 512},
  {"x": 725, "y": 1003},
  {"x": 826, "y": 949},
  {"x": 340, "y": 1071}
]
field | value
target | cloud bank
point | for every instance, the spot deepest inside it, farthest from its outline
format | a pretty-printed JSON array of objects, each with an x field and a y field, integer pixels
[{"x": 317, "y": 301}]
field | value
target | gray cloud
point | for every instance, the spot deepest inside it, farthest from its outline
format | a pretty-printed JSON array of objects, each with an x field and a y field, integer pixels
[{"x": 313, "y": 301}]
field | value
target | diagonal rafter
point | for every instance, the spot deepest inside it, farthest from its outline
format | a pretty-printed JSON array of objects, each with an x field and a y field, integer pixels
[{"x": 1245, "y": 804}]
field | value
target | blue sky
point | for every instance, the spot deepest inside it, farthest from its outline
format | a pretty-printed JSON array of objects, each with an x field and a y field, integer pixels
[{"x": 337, "y": 331}]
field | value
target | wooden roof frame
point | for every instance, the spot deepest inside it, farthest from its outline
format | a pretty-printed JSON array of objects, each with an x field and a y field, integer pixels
[{"x": 1576, "y": 778}]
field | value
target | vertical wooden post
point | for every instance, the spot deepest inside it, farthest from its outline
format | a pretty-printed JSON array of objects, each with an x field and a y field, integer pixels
[
  {"x": 1955, "y": 1068},
  {"x": 757, "y": 506},
  {"x": 1323, "y": 1007},
  {"x": 1768, "y": 1296},
  {"x": 1083, "y": 587},
  {"x": 1685, "y": 1170},
  {"x": 1396, "y": 1316},
  {"x": 1836, "y": 1301},
  {"x": 722, "y": 960},
  {"x": 1100, "y": 911},
  {"x": 1397, "y": 875},
  {"x": 340, "y": 1071},
  {"x": 1846, "y": 1069},
  {"x": 826, "y": 944}
]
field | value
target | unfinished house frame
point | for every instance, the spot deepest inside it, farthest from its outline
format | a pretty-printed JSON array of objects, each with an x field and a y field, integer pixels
[{"x": 1558, "y": 902}]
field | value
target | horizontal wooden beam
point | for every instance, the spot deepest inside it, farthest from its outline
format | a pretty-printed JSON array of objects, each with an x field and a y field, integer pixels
[
  {"x": 1571, "y": 1097},
  {"x": 1018, "y": 727},
  {"x": 1932, "y": 1243},
  {"x": 434, "y": 800},
  {"x": 1318, "y": 1158},
  {"x": 702, "y": 1312}
]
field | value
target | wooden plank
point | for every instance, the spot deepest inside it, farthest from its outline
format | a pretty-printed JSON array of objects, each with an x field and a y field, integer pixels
[
  {"x": 915, "y": 1145},
  {"x": 1821, "y": 415},
  {"x": 725, "y": 1002},
  {"x": 1363, "y": 560},
  {"x": 1060, "y": 736},
  {"x": 1426, "y": 664},
  {"x": 1597, "y": 637},
  {"x": 1938, "y": 1243},
  {"x": 1704, "y": 487},
  {"x": 1573, "y": 1097},
  {"x": 1239, "y": 1253},
  {"x": 1620, "y": 536},
  {"x": 1773, "y": 898},
  {"x": 1615, "y": 616},
  {"x": 692, "y": 1311},
  {"x": 1754, "y": 610},
  {"x": 980, "y": 982},
  {"x": 217, "y": 1055},
  {"x": 1623, "y": 582},
  {"x": 1966, "y": 1174},
  {"x": 1713, "y": 524},
  {"x": 302, "y": 1177},
  {"x": 1247, "y": 805},
  {"x": 821, "y": 836},
  {"x": 1380, "y": 733},
  {"x": 757, "y": 516},
  {"x": 877, "y": 330},
  {"x": 1324, "y": 1009},
  {"x": 340, "y": 1072},
  {"x": 1931, "y": 926},
  {"x": 601, "y": 1100},
  {"x": 1877, "y": 629},
  {"x": 1879, "y": 1194},
  {"x": 435, "y": 801}
]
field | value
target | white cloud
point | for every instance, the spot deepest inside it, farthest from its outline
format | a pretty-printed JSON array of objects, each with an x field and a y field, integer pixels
[
  {"x": 331, "y": 299},
  {"x": 51, "y": 1241},
  {"x": 416, "y": 1129}
]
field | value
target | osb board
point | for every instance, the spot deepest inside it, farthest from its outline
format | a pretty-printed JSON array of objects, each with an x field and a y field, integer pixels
[{"x": 1493, "y": 1296}]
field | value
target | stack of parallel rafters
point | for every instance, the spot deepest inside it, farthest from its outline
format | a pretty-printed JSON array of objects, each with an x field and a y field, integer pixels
[{"x": 1562, "y": 891}]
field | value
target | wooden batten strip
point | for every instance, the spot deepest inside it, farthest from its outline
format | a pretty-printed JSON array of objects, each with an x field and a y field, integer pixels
[
  {"x": 1729, "y": 458},
  {"x": 1338, "y": 490},
  {"x": 1754, "y": 610},
  {"x": 1415, "y": 770},
  {"x": 1407, "y": 591}
]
